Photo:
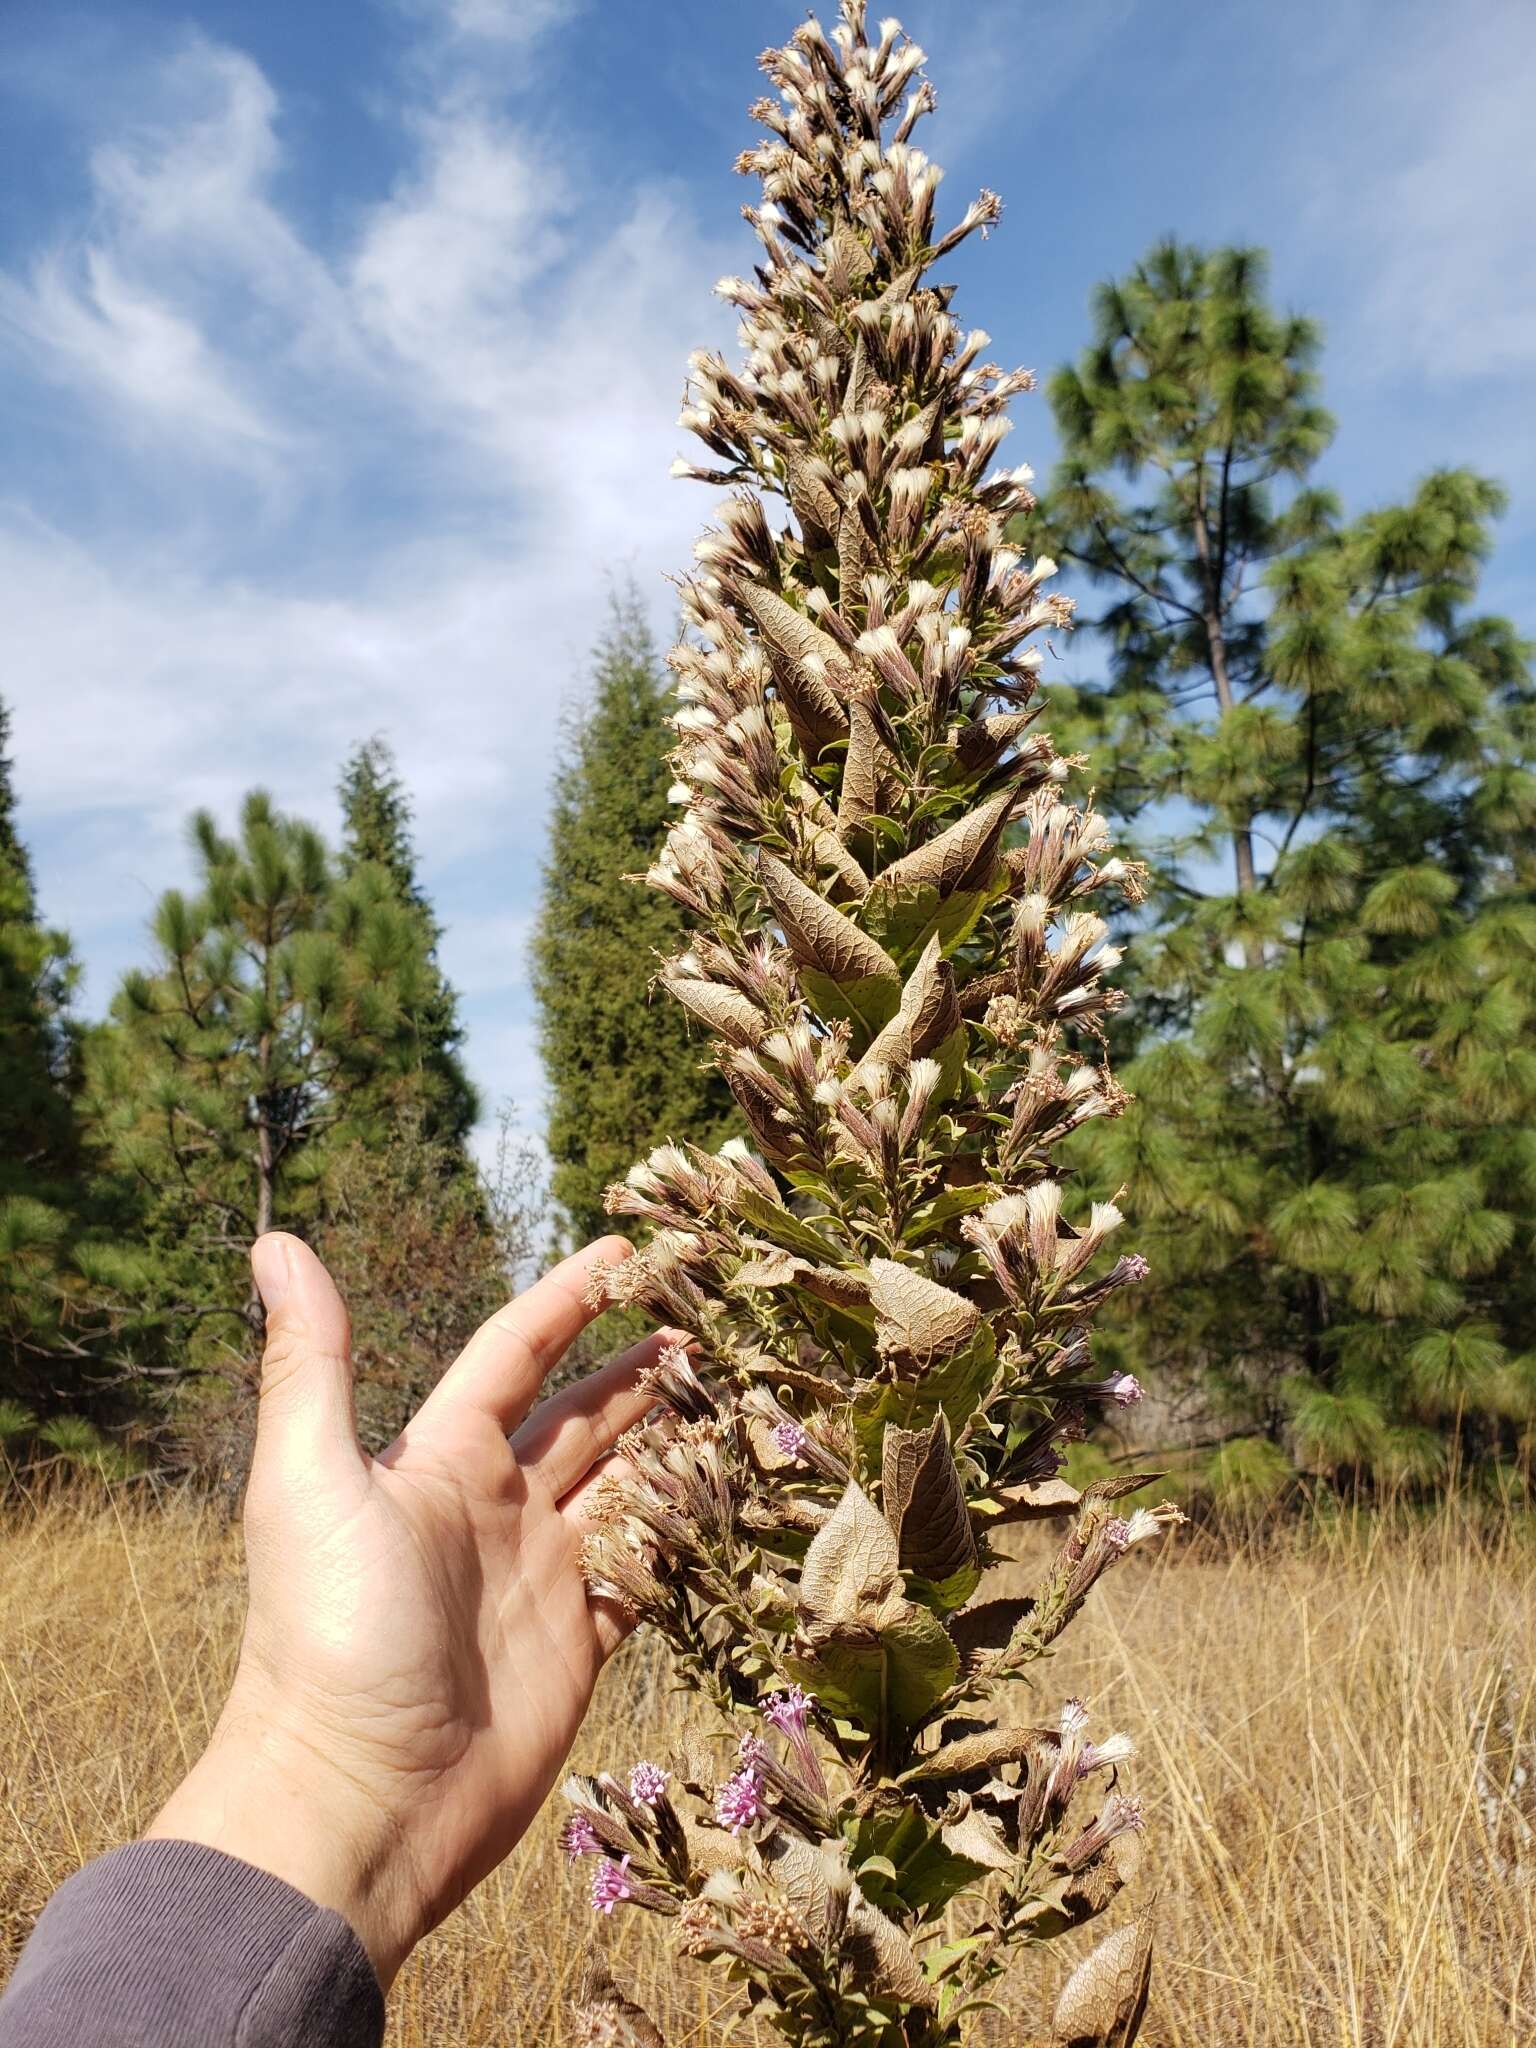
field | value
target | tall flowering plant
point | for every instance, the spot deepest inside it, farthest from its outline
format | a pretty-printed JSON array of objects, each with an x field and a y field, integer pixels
[{"x": 887, "y": 1294}]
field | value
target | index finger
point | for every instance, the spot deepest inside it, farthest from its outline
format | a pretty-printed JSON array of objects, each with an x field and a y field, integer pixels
[{"x": 502, "y": 1367}]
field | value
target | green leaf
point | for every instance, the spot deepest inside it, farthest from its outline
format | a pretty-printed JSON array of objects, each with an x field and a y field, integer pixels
[
  {"x": 923, "y": 1873},
  {"x": 781, "y": 1226},
  {"x": 905, "y": 918},
  {"x": 931, "y": 1216},
  {"x": 954, "y": 1386},
  {"x": 869, "y": 1651},
  {"x": 867, "y": 1002}
]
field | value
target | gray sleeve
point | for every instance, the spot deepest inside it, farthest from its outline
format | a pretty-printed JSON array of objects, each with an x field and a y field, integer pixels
[{"x": 173, "y": 1945}]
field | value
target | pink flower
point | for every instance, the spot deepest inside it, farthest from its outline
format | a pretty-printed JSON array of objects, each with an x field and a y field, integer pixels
[
  {"x": 790, "y": 1439},
  {"x": 578, "y": 1837},
  {"x": 611, "y": 1885},
  {"x": 1135, "y": 1266},
  {"x": 739, "y": 1802},
  {"x": 786, "y": 1711},
  {"x": 647, "y": 1783},
  {"x": 1125, "y": 1389}
]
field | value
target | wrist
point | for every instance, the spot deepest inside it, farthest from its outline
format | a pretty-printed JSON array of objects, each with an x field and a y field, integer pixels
[{"x": 264, "y": 1794}]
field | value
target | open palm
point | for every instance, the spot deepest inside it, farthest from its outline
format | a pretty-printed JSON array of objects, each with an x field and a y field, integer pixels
[{"x": 420, "y": 1647}]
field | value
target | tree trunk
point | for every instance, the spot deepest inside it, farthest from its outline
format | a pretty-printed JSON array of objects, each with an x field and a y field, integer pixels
[
  {"x": 1242, "y": 836},
  {"x": 1216, "y": 653},
  {"x": 266, "y": 1187}
]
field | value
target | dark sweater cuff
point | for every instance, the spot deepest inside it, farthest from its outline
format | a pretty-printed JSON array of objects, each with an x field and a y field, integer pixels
[{"x": 174, "y": 1945}]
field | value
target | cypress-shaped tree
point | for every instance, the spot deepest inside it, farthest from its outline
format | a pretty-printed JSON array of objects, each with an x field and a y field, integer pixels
[
  {"x": 281, "y": 1002},
  {"x": 71, "y": 1277},
  {"x": 622, "y": 1072},
  {"x": 1320, "y": 748},
  {"x": 376, "y": 833},
  {"x": 39, "y": 1143}
]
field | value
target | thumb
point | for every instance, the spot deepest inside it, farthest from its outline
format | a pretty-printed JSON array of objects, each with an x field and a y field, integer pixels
[{"x": 306, "y": 1414}]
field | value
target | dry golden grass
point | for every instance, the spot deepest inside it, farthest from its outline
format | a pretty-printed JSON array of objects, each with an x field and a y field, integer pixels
[{"x": 1337, "y": 1729}]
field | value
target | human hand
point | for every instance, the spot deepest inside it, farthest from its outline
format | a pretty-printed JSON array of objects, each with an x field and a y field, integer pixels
[{"x": 420, "y": 1646}]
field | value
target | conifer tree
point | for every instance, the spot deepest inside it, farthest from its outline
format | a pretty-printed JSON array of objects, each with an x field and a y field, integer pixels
[
  {"x": 1321, "y": 749},
  {"x": 376, "y": 832},
  {"x": 282, "y": 998},
  {"x": 38, "y": 1143},
  {"x": 622, "y": 1070},
  {"x": 40, "y": 1161},
  {"x": 71, "y": 1275}
]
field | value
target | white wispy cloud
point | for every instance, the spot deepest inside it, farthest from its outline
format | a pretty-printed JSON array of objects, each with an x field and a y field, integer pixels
[
  {"x": 503, "y": 333},
  {"x": 1421, "y": 182},
  {"x": 96, "y": 328},
  {"x": 507, "y": 21}
]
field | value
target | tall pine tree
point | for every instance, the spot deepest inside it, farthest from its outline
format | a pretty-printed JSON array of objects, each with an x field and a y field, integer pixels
[
  {"x": 280, "y": 1007},
  {"x": 40, "y": 1161},
  {"x": 623, "y": 1073},
  {"x": 38, "y": 1144},
  {"x": 376, "y": 833},
  {"x": 1320, "y": 748}
]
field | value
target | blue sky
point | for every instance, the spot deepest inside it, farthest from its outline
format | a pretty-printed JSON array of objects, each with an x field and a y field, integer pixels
[{"x": 341, "y": 344}]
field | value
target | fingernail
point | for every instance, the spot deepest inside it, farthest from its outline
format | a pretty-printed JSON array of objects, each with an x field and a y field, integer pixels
[{"x": 269, "y": 1269}]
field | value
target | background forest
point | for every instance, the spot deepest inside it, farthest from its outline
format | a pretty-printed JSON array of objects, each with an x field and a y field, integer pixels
[{"x": 1299, "y": 718}]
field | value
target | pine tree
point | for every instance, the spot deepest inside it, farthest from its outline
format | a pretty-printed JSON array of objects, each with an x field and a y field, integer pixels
[
  {"x": 376, "y": 832},
  {"x": 38, "y": 1141},
  {"x": 622, "y": 1071},
  {"x": 283, "y": 998},
  {"x": 70, "y": 1273},
  {"x": 1320, "y": 747},
  {"x": 40, "y": 1154}
]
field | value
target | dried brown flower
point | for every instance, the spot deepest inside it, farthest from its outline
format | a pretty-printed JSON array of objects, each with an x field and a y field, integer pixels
[{"x": 902, "y": 967}]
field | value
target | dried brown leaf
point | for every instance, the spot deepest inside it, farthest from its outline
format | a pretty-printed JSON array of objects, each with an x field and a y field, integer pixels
[
  {"x": 855, "y": 555},
  {"x": 711, "y": 1849},
  {"x": 814, "y": 1877},
  {"x": 818, "y": 934},
  {"x": 963, "y": 856},
  {"x": 803, "y": 658},
  {"x": 604, "y": 2013},
  {"x": 916, "y": 1319},
  {"x": 924, "y": 1502},
  {"x": 858, "y": 377},
  {"x": 1039, "y": 1501},
  {"x": 811, "y": 498},
  {"x": 697, "y": 1766},
  {"x": 978, "y": 1837},
  {"x": 769, "y": 1269},
  {"x": 832, "y": 855},
  {"x": 860, "y": 794},
  {"x": 719, "y": 1008},
  {"x": 851, "y": 1575},
  {"x": 786, "y": 630},
  {"x": 1103, "y": 2001},
  {"x": 928, "y": 1014},
  {"x": 981, "y": 1752},
  {"x": 1117, "y": 1484},
  {"x": 986, "y": 1626},
  {"x": 882, "y": 1957},
  {"x": 982, "y": 742}
]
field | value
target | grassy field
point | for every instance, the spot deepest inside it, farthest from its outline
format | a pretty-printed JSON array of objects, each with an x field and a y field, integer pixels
[{"x": 1338, "y": 1732}]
